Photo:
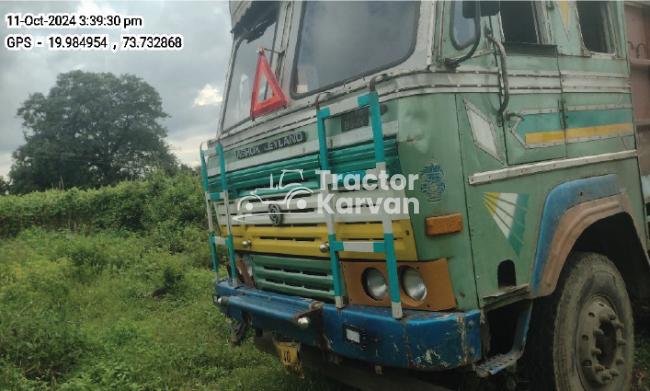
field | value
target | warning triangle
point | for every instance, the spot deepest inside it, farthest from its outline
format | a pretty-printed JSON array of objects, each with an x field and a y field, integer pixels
[{"x": 276, "y": 98}]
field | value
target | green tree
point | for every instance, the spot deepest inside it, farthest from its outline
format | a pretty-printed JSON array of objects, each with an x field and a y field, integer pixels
[
  {"x": 91, "y": 130},
  {"x": 4, "y": 186}
]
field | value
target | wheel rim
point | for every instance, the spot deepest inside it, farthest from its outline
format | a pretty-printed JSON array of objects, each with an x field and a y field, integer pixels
[{"x": 600, "y": 343}]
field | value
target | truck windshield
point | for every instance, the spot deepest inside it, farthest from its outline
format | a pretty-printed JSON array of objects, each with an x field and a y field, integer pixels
[
  {"x": 242, "y": 74},
  {"x": 343, "y": 40}
]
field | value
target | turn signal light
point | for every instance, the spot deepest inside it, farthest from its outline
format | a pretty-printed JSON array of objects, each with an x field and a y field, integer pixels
[{"x": 440, "y": 225}]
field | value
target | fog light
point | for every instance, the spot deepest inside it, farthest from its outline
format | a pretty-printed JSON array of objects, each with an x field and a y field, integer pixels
[
  {"x": 303, "y": 323},
  {"x": 375, "y": 284},
  {"x": 353, "y": 336},
  {"x": 413, "y": 284}
]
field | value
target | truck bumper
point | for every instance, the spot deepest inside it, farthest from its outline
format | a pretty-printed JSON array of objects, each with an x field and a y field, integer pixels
[{"x": 421, "y": 340}]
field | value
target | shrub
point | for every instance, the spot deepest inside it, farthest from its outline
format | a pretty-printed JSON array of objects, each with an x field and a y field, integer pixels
[
  {"x": 134, "y": 206},
  {"x": 169, "y": 279},
  {"x": 43, "y": 343},
  {"x": 88, "y": 260}
]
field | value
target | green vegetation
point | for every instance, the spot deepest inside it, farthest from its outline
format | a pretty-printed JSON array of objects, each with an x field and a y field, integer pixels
[
  {"x": 111, "y": 289},
  {"x": 642, "y": 357},
  {"x": 170, "y": 207},
  {"x": 114, "y": 311},
  {"x": 90, "y": 130}
]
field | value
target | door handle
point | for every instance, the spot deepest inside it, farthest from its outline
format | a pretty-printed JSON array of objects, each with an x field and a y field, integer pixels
[{"x": 504, "y": 72}]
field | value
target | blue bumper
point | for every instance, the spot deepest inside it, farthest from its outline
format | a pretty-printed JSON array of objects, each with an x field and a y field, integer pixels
[{"x": 421, "y": 340}]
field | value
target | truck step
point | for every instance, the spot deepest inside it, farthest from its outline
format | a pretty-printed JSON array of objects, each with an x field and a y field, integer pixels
[{"x": 500, "y": 362}]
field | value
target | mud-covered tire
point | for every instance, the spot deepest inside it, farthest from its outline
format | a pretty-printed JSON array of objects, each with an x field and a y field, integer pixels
[{"x": 575, "y": 341}]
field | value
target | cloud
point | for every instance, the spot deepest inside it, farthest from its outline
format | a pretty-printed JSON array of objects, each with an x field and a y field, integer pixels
[
  {"x": 208, "y": 96},
  {"x": 5, "y": 164},
  {"x": 187, "y": 149},
  {"x": 89, "y": 7}
]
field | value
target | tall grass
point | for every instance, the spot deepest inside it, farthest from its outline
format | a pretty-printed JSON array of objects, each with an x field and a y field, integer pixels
[
  {"x": 111, "y": 290},
  {"x": 78, "y": 313}
]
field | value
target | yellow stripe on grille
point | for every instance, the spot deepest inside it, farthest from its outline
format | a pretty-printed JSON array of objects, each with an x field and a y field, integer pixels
[{"x": 304, "y": 240}]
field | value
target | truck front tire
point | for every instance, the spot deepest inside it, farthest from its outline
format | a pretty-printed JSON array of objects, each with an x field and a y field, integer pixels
[{"x": 582, "y": 336}]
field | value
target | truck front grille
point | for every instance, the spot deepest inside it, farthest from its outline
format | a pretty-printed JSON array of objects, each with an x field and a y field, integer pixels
[{"x": 303, "y": 277}]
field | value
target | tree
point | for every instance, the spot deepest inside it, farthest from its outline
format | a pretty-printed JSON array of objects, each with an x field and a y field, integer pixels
[
  {"x": 4, "y": 186},
  {"x": 91, "y": 130}
]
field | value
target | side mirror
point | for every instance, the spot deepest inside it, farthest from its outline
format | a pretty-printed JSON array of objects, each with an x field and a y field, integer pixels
[{"x": 488, "y": 8}]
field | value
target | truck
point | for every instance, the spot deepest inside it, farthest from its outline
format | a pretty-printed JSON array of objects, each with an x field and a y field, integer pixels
[{"x": 460, "y": 181}]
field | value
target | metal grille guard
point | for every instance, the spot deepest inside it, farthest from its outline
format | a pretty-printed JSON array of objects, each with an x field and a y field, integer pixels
[{"x": 370, "y": 100}]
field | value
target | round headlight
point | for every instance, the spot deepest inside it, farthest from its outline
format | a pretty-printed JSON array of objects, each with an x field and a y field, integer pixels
[
  {"x": 375, "y": 284},
  {"x": 413, "y": 284}
]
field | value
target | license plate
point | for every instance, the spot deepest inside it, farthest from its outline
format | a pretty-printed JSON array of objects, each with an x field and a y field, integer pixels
[
  {"x": 290, "y": 357},
  {"x": 355, "y": 119}
]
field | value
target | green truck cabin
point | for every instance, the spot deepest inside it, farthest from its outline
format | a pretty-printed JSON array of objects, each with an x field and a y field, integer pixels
[{"x": 524, "y": 123}]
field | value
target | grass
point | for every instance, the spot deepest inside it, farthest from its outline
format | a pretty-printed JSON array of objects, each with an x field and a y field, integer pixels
[
  {"x": 79, "y": 313},
  {"x": 113, "y": 311},
  {"x": 642, "y": 358}
]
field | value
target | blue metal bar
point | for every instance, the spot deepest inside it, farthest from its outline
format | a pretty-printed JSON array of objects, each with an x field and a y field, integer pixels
[
  {"x": 391, "y": 266},
  {"x": 335, "y": 245},
  {"x": 321, "y": 115},
  {"x": 372, "y": 101},
  {"x": 336, "y": 271},
  {"x": 379, "y": 247},
  {"x": 204, "y": 171},
  {"x": 229, "y": 241},
  {"x": 213, "y": 249},
  {"x": 222, "y": 167}
]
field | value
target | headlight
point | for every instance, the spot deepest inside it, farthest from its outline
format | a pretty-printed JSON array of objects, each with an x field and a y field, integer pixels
[
  {"x": 413, "y": 284},
  {"x": 375, "y": 284}
]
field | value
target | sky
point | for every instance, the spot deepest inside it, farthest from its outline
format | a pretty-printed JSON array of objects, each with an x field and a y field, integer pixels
[{"x": 190, "y": 81}]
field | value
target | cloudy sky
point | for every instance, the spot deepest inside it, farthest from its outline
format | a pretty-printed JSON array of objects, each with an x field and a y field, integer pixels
[{"x": 190, "y": 81}]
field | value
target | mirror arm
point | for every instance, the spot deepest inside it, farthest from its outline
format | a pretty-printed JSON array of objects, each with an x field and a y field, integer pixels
[
  {"x": 504, "y": 74},
  {"x": 453, "y": 63}
]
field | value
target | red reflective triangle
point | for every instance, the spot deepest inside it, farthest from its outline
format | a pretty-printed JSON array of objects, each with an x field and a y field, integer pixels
[{"x": 277, "y": 99}]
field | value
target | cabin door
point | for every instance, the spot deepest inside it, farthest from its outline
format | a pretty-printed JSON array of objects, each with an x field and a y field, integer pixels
[
  {"x": 637, "y": 18},
  {"x": 532, "y": 122}
]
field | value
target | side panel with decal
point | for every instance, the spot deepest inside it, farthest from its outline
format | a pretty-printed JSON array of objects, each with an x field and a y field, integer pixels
[
  {"x": 503, "y": 219},
  {"x": 489, "y": 210},
  {"x": 534, "y": 131},
  {"x": 432, "y": 181},
  {"x": 509, "y": 213},
  {"x": 428, "y": 145}
]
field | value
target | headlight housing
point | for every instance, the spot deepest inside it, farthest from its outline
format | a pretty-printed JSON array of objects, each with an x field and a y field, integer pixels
[
  {"x": 375, "y": 284},
  {"x": 413, "y": 284}
]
